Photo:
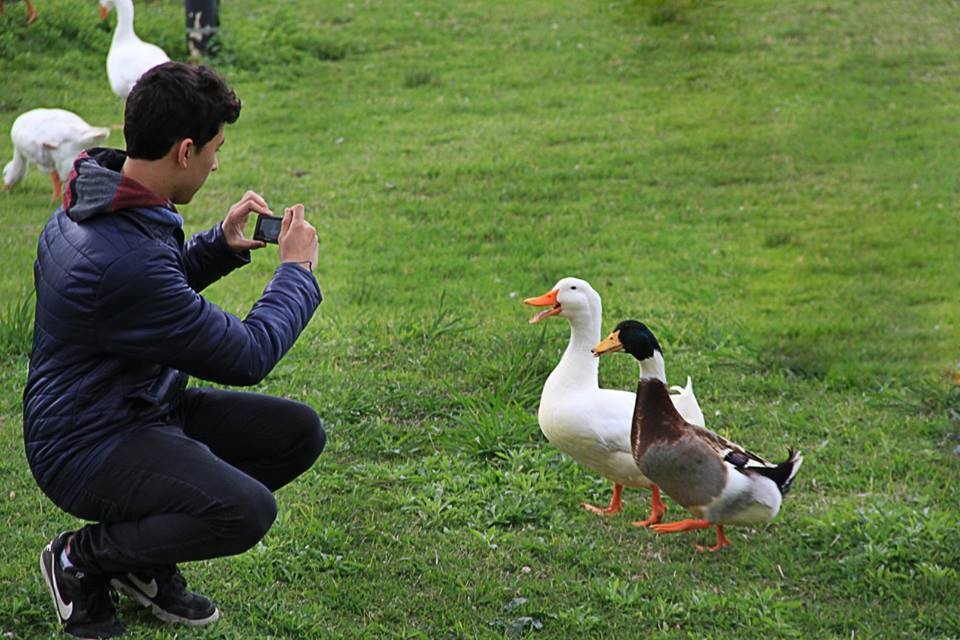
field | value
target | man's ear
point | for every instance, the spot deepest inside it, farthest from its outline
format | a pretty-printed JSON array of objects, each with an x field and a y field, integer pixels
[{"x": 185, "y": 151}]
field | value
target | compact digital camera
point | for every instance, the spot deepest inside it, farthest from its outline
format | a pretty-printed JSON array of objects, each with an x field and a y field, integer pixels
[{"x": 267, "y": 229}]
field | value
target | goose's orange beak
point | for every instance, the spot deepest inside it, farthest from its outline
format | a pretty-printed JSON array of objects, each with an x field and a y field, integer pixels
[
  {"x": 546, "y": 300},
  {"x": 610, "y": 344},
  {"x": 103, "y": 12}
]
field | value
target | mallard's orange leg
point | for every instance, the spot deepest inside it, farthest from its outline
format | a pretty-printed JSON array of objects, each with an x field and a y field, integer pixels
[
  {"x": 616, "y": 506},
  {"x": 682, "y": 525},
  {"x": 657, "y": 509},
  {"x": 721, "y": 541},
  {"x": 57, "y": 186},
  {"x": 31, "y": 12},
  {"x": 687, "y": 525}
]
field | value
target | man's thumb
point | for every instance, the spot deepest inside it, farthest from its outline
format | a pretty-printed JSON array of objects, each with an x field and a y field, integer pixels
[{"x": 287, "y": 221}]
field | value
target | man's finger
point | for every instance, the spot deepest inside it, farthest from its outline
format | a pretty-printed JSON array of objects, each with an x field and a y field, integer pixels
[
  {"x": 287, "y": 221},
  {"x": 259, "y": 200},
  {"x": 260, "y": 208},
  {"x": 297, "y": 210},
  {"x": 251, "y": 201},
  {"x": 243, "y": 208},
  {"x": 250, "y": 244}
]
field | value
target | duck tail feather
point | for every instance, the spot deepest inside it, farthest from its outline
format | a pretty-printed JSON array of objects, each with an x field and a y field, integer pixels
[
  {"x": 687, "y": 390},
  {"x": 783, "y": 473}
]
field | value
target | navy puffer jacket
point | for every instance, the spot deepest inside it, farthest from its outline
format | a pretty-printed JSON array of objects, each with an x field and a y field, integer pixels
[{"x": 120, "y": 323}]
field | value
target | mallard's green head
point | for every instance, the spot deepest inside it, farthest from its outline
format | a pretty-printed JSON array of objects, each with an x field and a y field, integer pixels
[{"x": 630, "y": 336}]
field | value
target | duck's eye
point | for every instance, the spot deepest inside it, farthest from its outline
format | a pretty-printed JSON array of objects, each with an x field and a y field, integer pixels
[{"x": 573, "y": 288}]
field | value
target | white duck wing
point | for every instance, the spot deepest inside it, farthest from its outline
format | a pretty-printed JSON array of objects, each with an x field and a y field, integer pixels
[
  {"x": 593, "y": 428},
  {"x": 612, "y": 414},
  {"x": 599, "y": 420},
  {"x": 686, "y": 404},
  {"x": 612, "y": 420}
]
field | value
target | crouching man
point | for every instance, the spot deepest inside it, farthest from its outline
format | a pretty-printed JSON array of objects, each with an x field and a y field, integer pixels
[{"x": 164, "y": 474}]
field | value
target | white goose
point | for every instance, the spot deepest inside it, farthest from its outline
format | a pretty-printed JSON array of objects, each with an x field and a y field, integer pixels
[
  {"x": 590, "y": 424},
  {"x": 50, "y": 139},
  {"x": 129, "y": 56}
]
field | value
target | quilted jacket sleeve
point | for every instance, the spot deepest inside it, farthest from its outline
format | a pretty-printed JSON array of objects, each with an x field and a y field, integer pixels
[
  {"x": 147, "y": 309},
  {"x": 207, "y": 258}
]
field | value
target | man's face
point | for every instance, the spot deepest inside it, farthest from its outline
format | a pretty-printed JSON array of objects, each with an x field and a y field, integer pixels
[{"x": 200, "y": 163}]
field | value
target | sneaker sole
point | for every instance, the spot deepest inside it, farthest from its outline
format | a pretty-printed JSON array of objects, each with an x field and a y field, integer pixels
[
  {"x": 162, "y": 614},
  {"x": 45, "y": 570}
]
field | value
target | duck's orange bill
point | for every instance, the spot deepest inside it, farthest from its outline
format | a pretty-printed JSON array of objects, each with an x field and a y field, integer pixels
[
  {"x": 610, "y": 344},
  {"x": 546, "y": 300}
]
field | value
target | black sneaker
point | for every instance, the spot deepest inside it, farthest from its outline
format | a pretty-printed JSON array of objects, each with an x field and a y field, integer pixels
[
  {"x": 167, "y": 596},
  {"x": 83, "y": 601}
]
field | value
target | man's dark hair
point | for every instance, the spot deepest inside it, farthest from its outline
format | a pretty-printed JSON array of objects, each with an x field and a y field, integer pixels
[{"x": 174, "y": 101}]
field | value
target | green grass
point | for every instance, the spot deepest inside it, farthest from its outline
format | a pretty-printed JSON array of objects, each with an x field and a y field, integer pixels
[{"x": 772, "y": 186}]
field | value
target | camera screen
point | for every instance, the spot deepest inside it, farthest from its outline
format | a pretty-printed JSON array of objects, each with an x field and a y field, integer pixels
[{"x": 268, "y": 229}]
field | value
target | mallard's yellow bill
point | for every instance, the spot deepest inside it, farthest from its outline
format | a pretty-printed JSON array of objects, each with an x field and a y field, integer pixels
[{"x": 611, "y": 344}]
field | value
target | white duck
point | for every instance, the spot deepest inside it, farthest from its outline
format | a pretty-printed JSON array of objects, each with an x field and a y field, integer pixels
[
  {"x": 129, "y": 56},
  {"x": 590, "y": 424},
  {"x": 50, "y": 139}
]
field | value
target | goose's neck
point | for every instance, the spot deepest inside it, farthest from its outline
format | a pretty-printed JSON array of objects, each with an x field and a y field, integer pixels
[
  {"x": 124, "y": 31},
  {"x": 578, "y": 366},
  {"x": 653, "y": 368},
  {"x": 15, "y": 170}
]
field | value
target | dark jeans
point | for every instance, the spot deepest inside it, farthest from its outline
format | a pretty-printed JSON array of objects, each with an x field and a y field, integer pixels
[{"x": 195, "y": 490}]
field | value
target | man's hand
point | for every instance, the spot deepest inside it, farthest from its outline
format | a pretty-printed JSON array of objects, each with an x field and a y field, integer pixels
[
  {"x": 298, "y": 239},
  {"x": 236, "y": 220}
]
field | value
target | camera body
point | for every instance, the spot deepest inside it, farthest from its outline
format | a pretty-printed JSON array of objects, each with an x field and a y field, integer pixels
[{"x": 267, "y": 229}]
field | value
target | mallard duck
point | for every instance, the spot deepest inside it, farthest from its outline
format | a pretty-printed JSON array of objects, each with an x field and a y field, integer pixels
[
  {"x": 129, "y": 56},
  {"x": 31, "y": 12},
  {"x": 51, "y": 139},
  {"x": 716, "y": 480},
  {"x": 590, "y": 424}
]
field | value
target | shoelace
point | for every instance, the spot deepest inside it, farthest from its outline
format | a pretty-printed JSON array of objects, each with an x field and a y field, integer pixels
[
  {"x": 179, "y": 582},
  {"x": 172, "y": 581}
]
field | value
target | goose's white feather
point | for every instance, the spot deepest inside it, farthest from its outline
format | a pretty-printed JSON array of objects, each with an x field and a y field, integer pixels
[
  {"x": 50, "y": 139},
  {"x": 129, "y": 56}
]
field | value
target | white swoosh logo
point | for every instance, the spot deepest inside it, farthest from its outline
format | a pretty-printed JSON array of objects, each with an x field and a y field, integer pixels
[
  {"x": 149, "y": 588},
  {"x": 65, "y": 610}
]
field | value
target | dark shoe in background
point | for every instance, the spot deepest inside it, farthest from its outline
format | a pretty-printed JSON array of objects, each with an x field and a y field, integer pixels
[{"x": 167, "y": 596}]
